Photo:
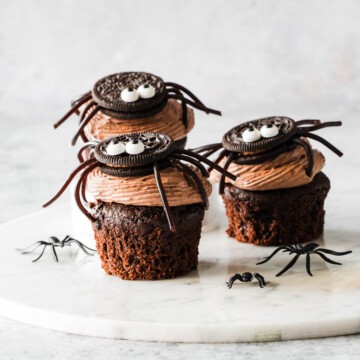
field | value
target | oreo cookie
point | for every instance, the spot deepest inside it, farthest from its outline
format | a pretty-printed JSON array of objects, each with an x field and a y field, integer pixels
[
  {"x": 130, "y": 94},
  {"x": 260, "y": 157},
  {"x": 133, "y": 150},
  {"x": 259, "y": 135},
  {"x": 133, "y": 171}
]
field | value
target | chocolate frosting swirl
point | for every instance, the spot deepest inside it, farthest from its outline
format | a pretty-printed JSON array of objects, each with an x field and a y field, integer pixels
[
  {"x": 168, "y": 121},
  {"x": 285, "y": 171},
  {"x": 143, "y": 191}
]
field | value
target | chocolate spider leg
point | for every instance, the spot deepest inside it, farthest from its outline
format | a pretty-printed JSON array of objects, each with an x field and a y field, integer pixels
[
  {"x": 28, "y": 251},
  {"x": 78, "y": 189},
  {"x": 76, "y": 100},
  {"x": 322, "y": 125},
  {"x": 89, "y": 144},
  {"x": 72, "y": 110},
  {"x": 221, "y": 155},
  {"x": 42, "y": 253},
  {"x": 82, "y": 247},
  {"x": 53, "y": 251},
  {"x": 79, "y": 98},
  {"x": 332, "y": 252},
  {"x": 84, "y": 123},
  {"x": 197, "y": 181},
  {"x": 83, "y": 191},
  {"x": 204, "y": 148},
  {"x": 206, "y": 161},
  {"x": 195, "y": 162},
  {"x": 309, "y": 155},
  {"x": 308, "y": 122},
  {"x": 185, "y": 90},
  {"x": 209, "y": 152},
  {"x": 308, "y": 264},
  {"x": 222, "y": 178},
  {"x": 195, "y": 105},
  {"x": 260, "y": 279},
  {"x": 86, "y": 110},
  {"x": 289, "y": 265},
  {"x": 321, "y": 140},
  {"x": 183, "y": 108},
  {"x": 84, "y": 138},
  {"x": 326, "y": 258},
  {"x": 232, "y": 279},
  {"x": 71, "y": 177},
  {"x": 267, "y": 258},
  {"x": 164, "y": 199}
]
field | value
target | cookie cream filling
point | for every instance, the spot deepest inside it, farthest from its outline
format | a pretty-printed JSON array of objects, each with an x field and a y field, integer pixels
[
  {"x": 285, "y": 171},
  {"x": 143, "y": 191},
  {"x": 168, "y": 121}
]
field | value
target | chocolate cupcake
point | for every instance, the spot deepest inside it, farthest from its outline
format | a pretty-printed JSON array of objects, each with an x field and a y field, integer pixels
[
  {"x": 279, "y": 193},
  {"x": 135, "y": 102},
  {"x": 147, "y": 205}
]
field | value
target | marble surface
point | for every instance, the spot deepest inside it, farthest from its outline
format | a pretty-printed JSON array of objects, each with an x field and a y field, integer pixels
[
  {"x": 262, "y": 58},
  {"x": 79, "y": 298}
]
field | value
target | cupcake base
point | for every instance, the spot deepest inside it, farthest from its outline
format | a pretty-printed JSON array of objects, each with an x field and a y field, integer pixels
[
  {"x": 135, "y": 243},
  {"x": 277, "y": 217}
]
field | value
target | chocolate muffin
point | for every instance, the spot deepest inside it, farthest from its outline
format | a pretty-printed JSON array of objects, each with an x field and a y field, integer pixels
[
  {"x": 277, "y": 217},
  {"x": 279, "y": 193},
  {"x": 147, "y": 206},
  {"x": 135, "y": 242},
  {"x": 135, "y": 102}
]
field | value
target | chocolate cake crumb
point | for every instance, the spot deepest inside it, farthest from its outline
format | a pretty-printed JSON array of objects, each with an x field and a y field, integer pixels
[
  {"x": 135, "y": 243},
  {"x": 277, "y": 217}
]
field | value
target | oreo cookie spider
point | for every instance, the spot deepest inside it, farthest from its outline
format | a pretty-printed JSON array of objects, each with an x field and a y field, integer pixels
[
  {"x": 130, "y": 95},
  {"x": 54, "y": 243},
  {"x": 308, "y": 249},
  {"x": 246, "y": 277},
  {"x": 256, "y": 141},
  {"x": 138, "y": 154}
]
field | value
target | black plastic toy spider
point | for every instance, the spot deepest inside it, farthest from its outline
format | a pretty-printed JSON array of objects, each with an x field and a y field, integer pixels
[
  {"x": 135, "y": 155},
  {"x": 54, "y": 242},
  {"x": 256, "y": 141},
  {"x": 130, "y": 95},
  {"x": 246, "y": 277},
  {"x": 307, "y": 250}
]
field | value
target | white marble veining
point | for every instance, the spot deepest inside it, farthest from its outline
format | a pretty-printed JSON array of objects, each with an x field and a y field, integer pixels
[
  {"x": 76, "y": 296},
  {"x": 297, "y": 58}
]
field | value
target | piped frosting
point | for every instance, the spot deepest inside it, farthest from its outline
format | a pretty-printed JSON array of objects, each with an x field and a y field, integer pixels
[
  {"x": 143, "y": 191},
  {"x": 285, "y": 171},
  {"x": 168, "y": 121}
]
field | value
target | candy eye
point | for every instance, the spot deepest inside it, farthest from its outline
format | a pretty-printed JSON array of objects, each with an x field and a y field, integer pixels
[
  {"x": 269, "y": 130},
  {"x": 134, "y": 147},
  {"x": 251, "y": 135},
  {"x": 115, "y": 148},
  {"x": 146, "y": 91},
  {"x": 129, "y": 95}
]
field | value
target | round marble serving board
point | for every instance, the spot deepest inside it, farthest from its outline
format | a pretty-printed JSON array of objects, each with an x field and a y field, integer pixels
[{"x": 75, "y": 295}]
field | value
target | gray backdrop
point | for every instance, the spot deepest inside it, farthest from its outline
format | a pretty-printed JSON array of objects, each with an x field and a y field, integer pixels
[{"x": 248, "y": 58}]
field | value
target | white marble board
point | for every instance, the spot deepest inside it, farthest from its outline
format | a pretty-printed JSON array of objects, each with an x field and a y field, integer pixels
[{"x": 75, "y": 295}]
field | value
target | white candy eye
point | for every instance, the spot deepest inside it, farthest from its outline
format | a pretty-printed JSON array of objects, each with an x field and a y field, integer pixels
[
  {"x": 269, "y": 130},
  {"x": 129, "y": 95},
  {"x": 115, "y": 148},
  {"x": 251, "y": 135},
  {"x": 134, "y": 147},
  {"x": 146, "y": 91}
]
